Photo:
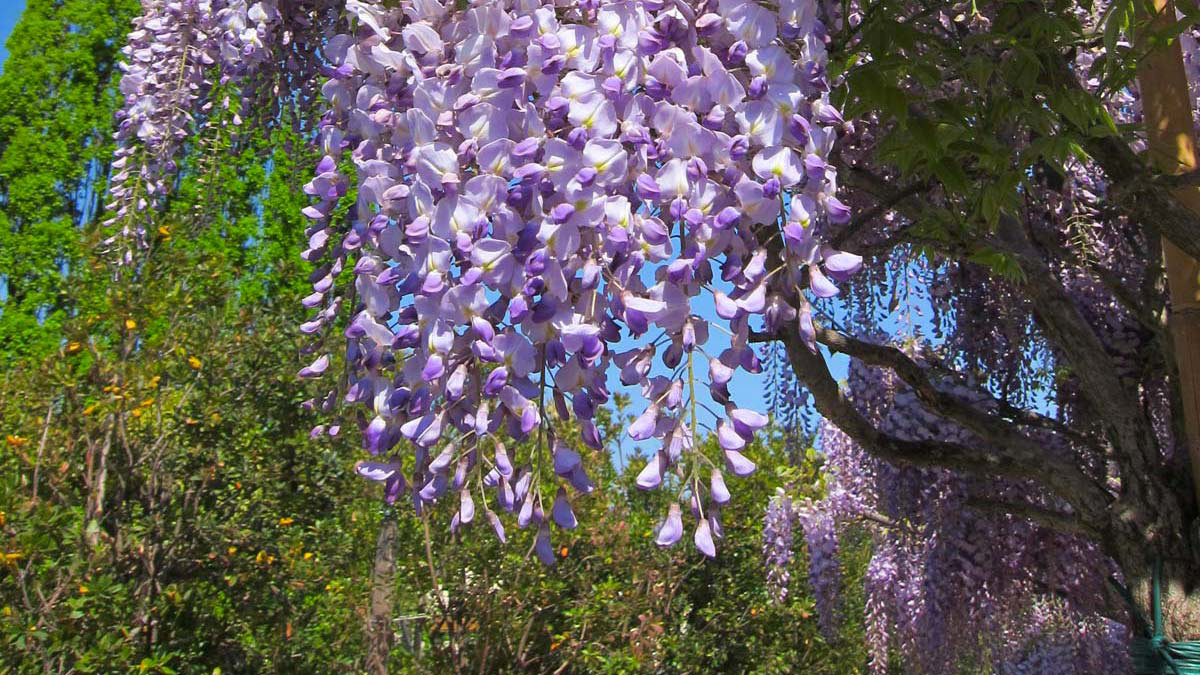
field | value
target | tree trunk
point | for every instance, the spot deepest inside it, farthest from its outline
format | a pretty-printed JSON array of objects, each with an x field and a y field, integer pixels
[
  {"x": 94, "y": 510},
  {"x": 1167, "y": 110},
  {"x": 383, "y": 579}
]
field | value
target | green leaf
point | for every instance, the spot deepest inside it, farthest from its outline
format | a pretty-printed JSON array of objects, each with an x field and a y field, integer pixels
[{"x": 1116, "y": 23}]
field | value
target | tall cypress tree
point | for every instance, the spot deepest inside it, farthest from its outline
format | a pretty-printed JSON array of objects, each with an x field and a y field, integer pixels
[{"x": 55, "y": 141}]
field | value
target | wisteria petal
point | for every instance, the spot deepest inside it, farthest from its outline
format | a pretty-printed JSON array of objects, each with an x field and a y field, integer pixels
[
  {"x": 671, "y": 529},
  {"x": 563, "y": 516},
  {"x": 703, "y": 539}
]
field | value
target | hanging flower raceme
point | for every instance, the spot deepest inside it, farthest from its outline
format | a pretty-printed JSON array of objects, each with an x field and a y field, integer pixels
[
  {"x": 537, "y": 182},
  {"x": 177, "y": 52}
]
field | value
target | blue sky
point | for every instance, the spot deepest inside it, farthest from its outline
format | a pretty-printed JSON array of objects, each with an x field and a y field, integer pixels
[{"x": 10, "y": 12}]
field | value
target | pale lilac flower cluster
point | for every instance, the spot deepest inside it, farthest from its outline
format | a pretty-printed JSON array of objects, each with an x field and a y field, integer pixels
[
  {"x": 1042, "y": 643},
  {"x": 824, "y": 570},
  {"x": 165, "y": 71},
  {"x": 536, "y": 181},
  {"x": 944, "y": 574},
  {"x": 171, "y": 59},
  {"x": 777, "y": 545},
  {"x": 248, "y": 30}
]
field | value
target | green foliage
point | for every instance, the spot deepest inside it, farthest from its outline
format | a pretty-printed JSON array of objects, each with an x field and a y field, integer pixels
[
  {"x": 171, "y": 510},
  {"x": 952, "y": 104},
  {"x": 615, "y": 602}
]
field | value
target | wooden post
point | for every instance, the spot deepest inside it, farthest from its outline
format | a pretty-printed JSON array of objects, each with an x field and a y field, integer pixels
[{"x": 1167, "y": 111}]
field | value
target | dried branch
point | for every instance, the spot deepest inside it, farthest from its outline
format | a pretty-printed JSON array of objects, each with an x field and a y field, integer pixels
[{"x": 37, "y": 463}]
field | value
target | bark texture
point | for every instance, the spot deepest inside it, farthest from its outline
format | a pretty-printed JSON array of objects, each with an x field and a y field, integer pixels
[{"x": 383, "y": 579}]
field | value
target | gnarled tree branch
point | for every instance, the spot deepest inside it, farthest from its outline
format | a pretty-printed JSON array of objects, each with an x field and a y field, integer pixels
[{"x": 989, "y": 460}]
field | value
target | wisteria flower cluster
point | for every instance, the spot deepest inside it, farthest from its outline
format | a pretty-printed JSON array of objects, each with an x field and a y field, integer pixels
[
  {"x": 175, "y": 53},
  {"x": 943, "y": 574},
  {"x": 777, "y": 545},
  {"x": 537, "y": 182}
]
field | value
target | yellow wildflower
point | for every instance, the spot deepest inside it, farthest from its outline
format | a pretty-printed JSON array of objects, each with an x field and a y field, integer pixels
[
  {"x": 164, "y": 230},
  {"x": 285, "y": 521},
  {"x": 83, "y": 589},
  {"x": 16, "y": 441},
  {"x": 194, "y": 363},
  {"x": 73, "y": 347},
  {"x": 232, "y": 550},
  {"x": 130, "y": 324},
  {"x": 308, "y": 555}
]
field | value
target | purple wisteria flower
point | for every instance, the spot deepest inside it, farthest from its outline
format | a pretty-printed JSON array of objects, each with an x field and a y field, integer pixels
[{"x": 538, "y": 182}]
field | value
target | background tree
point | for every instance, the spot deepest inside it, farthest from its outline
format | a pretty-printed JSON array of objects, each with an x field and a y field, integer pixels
[{"x": 54, "y": 151}]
